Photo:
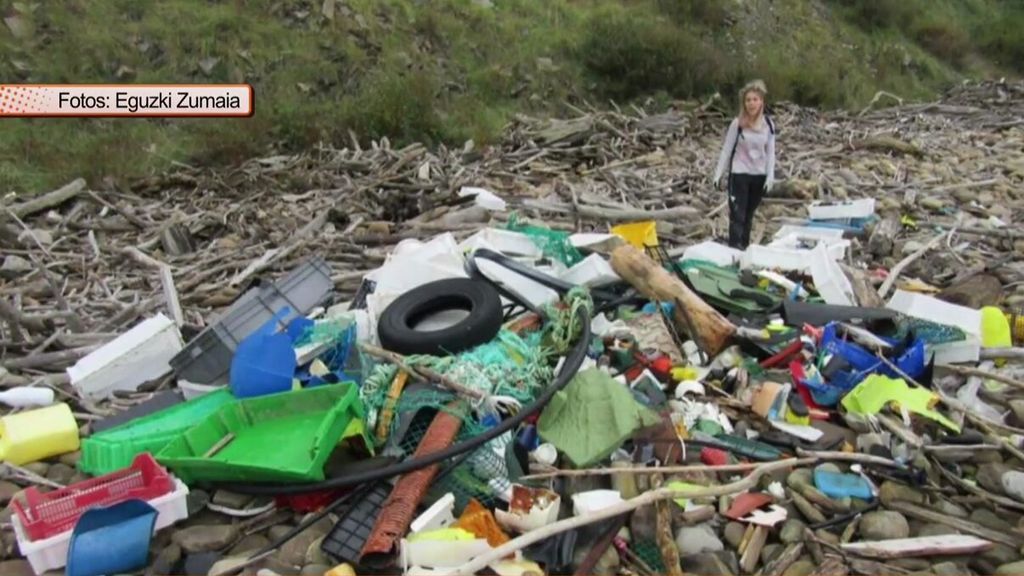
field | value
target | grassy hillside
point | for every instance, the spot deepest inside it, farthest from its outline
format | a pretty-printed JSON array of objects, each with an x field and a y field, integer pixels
[{"x": 451, "y": 70}]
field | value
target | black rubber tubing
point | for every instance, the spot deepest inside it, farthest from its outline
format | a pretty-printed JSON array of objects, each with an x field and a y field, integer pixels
[{"x": 572, "y": 364}]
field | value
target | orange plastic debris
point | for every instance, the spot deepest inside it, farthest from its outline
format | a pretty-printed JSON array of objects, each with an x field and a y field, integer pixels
[{"x": 480, "y": 521}]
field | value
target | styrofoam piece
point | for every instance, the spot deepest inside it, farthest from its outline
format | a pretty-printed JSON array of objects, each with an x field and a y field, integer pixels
[
  {"x": 484, "y": 198},
  {"x": 718, "y": 254},
  {"x": 829, "y": 279},
  {"x": 861, "y": 208},
  {"x": 439, "y": 515},
  {"x": 591, "y": 272},
  {"x": 808, "y": 433},
  {"x": 935, "y": 310},
  {"x": 192, "y": 390},
  {"x": 441, "y": 553},
  {"x": 52, "y": 553},
  {"x": 507, "y": 242},
  {"x": 595, "y": 241},
  {"x": 594, "y": 501},
  {"x": 788, "y": 259},
  {"x": 130, "y": 360},
  {"x": 810, "y": 233},
  {"x": 967, "y": 350}
]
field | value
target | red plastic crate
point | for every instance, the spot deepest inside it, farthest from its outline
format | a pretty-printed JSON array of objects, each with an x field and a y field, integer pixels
[{"x": 49, "y": 514}]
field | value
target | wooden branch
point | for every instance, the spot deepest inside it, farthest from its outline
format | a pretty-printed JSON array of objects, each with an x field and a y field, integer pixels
[
  {"x": 945, "y": 545},
  {"x": 969, "y": 371},
  {"x": 783, "y": 561},
  {"x": 898, "y": 268},
  {"x": 171, "y": 295},
  {"x": 1011, "y": 538},
  {"x": 645, "y": 499},
  {"x": 421, "y": 373},
  {"x": 49, "y": 359},
  {"x": 50, "y": 199},
  {"x": 640, "y": 470},
  {"x": 613, "y": 214}
]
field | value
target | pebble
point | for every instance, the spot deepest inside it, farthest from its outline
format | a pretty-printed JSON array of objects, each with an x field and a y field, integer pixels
[
  {"x": 890, "y": 492},
  {"x": 1011, "y": 569},
  {"x": 226, "y": 565},
  {"x": 711, "y": 564},
  {"x": 932, "y": 529},
  {"x": 71, "y": 458},
  {"x": 734, "y": 533},
  {"x": 1001, "y": 554},
  {"x": 200, "y": 563},
  {"x": 912, "y": 564},
  {"x": 884, "y": 525},
  {"x": 231, "y": 500},
  {"x": 696, "y": 539},
  {"x": 16, "y": 568},
  {"x": 801, "y": 567},
  {"x": 314, "y": 555},
  {"x": 277, "y": 532},
  {"x": 60, "y": 473},
  {"x": 792, "y": 531},
  {"x": 40, "y": 468},
  {"x": 196, "y": 500},
  {"x": 770, "y": 551},
  {"x": 166, "y": 562},
  {"x": 826, "y": 536},
  {"x": 293, "y": 553},
  {"x": 950, "y": 509},
  {"x": 989, "y": 519},
  {"x": 250, "y": 543},
  {"x": 1013, "y": 484},
  {"x": 1018, "y": 410},
  {"x": 800, "y": 479},
  {"x": 7, "y": 491},
  {"x": 808, "y": 510},
  {"x": 205, "y": 538},
  {"x": 990, "y": 477},
  {"x": 948, "y": 569}
]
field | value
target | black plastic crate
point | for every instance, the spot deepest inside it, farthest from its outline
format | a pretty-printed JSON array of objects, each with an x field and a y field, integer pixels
[{"x": 349, "y": 535}]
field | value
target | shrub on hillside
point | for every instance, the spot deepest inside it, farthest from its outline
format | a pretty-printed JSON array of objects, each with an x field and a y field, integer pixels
[{"x": 1002, "y": 39}]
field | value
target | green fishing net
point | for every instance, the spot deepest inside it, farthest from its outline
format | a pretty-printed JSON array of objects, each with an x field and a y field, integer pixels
[
  {"x": 553, "y": 243},
  {"x": 930, "y": 332}
]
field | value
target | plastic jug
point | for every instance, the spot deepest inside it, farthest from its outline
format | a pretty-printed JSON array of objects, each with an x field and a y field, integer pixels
[{"x": 37, "y": 434}]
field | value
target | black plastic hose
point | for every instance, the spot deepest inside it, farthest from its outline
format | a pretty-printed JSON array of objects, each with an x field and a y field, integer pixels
[{"x": 572, "y": 364}]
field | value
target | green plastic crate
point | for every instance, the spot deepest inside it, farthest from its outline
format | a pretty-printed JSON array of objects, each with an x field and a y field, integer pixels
[
  {"x": 115, "y": 448},
  {"x": 285, "y": 437}
]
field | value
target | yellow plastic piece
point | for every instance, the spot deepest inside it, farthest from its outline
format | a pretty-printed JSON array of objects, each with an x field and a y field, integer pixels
[
  {"x": 442, "y": 535},
  {"x": 683, "y": 373},
  {"x": 639, "y": 234},
  {"x": 677, "y": 485},
  {"x": 798, "y": 420},
  {"x": 1016, "y": 327},
  {"x": 37, "y": 434},
  {"x": 876, "y": 391},
  {"x": 995, "y": 330},
  {"x": 341, "y": 570}
]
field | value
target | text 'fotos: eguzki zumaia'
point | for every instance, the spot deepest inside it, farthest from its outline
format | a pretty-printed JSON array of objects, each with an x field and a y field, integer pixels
[{"x": 163, "y": 101}]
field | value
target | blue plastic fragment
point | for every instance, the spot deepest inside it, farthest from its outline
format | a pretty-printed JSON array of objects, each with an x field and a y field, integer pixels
[
  {"x": 111, "y": 540},
  {"x": 264, "y": 363},
  {"x": 836, "y": 485}
]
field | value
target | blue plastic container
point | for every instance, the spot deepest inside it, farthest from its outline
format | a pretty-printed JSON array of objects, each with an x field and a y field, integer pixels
[
  {"x": 264, "y": 362},
  {"x": 111, "y": 540}
]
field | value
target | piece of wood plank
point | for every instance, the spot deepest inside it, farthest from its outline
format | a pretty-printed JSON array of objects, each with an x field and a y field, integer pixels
[
  {"x": 614, "y": 214},
  {"x": 944, "y": 545},
  {"x": 171, "y": 295},
  {"x": 712, "y": 330},
  {"x": 227, "y": 439},
  {"x": 752, "y": 553}
]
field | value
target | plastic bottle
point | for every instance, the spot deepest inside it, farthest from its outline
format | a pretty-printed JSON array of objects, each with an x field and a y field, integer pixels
[
  {"x": 37, "y": 434},
  {"x": 27, "y": 397}
]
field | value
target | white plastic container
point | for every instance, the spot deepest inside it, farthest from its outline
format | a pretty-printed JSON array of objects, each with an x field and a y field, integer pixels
[
  {"x": 591, "y": 272},
  {"x": 829, "y": 279},
  {"x": 718, "y": 254},
  {"x": 130, "y": 360},
  {"x": 52, "y": 553},
  {"x": 935, "y": 310},
  {"x": 966, "y": 350},
  {"x": 861, "y": 208}
]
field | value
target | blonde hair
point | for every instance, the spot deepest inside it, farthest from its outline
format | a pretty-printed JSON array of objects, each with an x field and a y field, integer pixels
[{"x": 752, "y": 86}]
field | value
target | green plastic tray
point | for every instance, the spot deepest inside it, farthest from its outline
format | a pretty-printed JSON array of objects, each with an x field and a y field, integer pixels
[
  {"x": 284, "y": 437},
  {"x": 115, "y": 448}
]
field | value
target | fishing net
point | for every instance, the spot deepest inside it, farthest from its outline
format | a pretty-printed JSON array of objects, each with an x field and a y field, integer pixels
[
  {"x": 553, "y": 243},
  {"x": 930, "y": 332}
]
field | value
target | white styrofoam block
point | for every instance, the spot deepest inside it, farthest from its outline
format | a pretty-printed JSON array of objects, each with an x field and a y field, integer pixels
[
  {"x": 437, "y": 516},
  {"x": 594, "y": 500},
  {"x": 829, "y": 279},
  {"x": 484, "y": 198},
  {"x": 593, "y": 271},
  {"x": 935, "y": 310},
  {"x": 788, "y": 259},
  {"x": 52, "y": 553},
  {"x": 861, "y": 208},
  {"x": 718, "y": 254},
  {"x": 966, "y": 350},
  {"x": 133, "y": 358}
]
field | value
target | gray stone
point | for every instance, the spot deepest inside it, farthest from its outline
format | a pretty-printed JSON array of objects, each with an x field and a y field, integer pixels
[
  {"x": 205, "y": 538},
  {"x": 950, "y": 509},
  {"x": 792, "y": 531},
  {"x": 802, "y": 567},
  {"x": 912, "y": 564},
  {"x": 696, "y": 539},
  {"x": 40, "y": 468},
  {"x": 7, "y": 491},
  {"x": 196, "y": 500},
  {"x": 990, "y": 477},
  {"x": 1018, "y": 410},
  {"x": 800, "y": 478},
  {"x": 250, "y": 543},
  {"x": 770, "y": 551},
  {"x": 711, "y": 564},
  {"x": 166, "y": 562},
  {"x": 14, "y": 266},
  {"x": 1001, "y": 554},
  {"x": 1011, "y": 569},
  {"x": 71, "y": 458},
  {"x": 890, "y": 492},
  {"x": 16, "y": 568},
  {"x": 949, "y": 569},
  {"x": 989, "y": 519},
  {"x": 293, "y": 553},
  {"x": 226, "y": 565},
  {"x": 60, "y": 473},
  {"x": 315, "y": 570},
  {"x": 932, "y": 529},
  {"x": 277, "y": 532},
  {"x": 231, "y": 500},
  {"x": 884, "y": 525},
  {"x": 1013, "y": 484},
  {"x": 734, "y": 533},
  {"x": 314, "y": 555},
  {"x": 826, "y": 536}
]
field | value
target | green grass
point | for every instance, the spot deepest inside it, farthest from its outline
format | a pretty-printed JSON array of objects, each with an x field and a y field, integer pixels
[{"x": 451, "y": 70}]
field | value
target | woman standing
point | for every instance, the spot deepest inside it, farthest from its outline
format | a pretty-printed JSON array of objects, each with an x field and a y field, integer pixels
[{"x": 749, "y": 152}]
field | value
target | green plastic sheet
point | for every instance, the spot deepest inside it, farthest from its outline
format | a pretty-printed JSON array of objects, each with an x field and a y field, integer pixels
[
  {"x": 877, "y": 391},
  {"x": 592, "y": 417}
]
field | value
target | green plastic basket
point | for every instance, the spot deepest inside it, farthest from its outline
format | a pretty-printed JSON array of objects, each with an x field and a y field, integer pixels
[
  {"x": 285, "y": 437},
  {"x": 114, "y": 449}
]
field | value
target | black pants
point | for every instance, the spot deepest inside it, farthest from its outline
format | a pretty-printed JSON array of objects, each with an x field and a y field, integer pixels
[{"x": 745, "y": 193}]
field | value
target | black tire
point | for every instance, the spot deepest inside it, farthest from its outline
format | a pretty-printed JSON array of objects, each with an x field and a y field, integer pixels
[{"x": 396, "y": 327}]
